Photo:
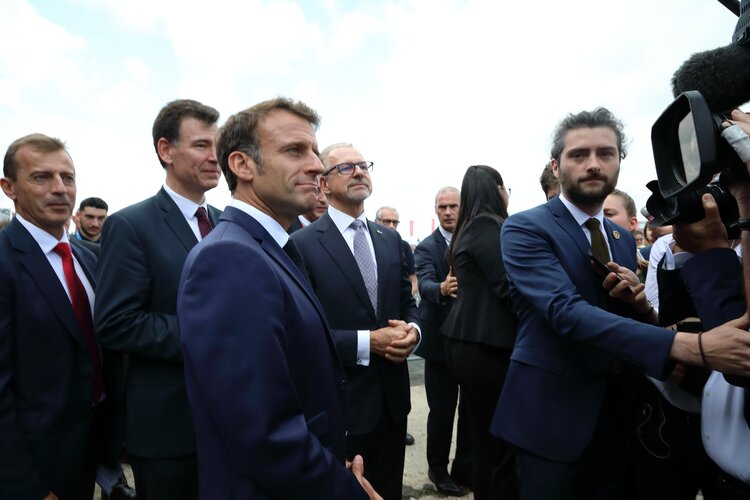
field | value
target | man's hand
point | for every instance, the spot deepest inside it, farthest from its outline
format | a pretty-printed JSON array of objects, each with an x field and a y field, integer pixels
[
  {"x": 623, "y": 284},
  {"x": 399, "y": 350},
  {"x": 705, "y": 234},
  {"x": 736, "y": 139},
  {"x": 358, "y": 468},
  {"x": 449, "y": 287},
  {"x": 383, "y": 338},
  {"x": 726, "y": 347}
]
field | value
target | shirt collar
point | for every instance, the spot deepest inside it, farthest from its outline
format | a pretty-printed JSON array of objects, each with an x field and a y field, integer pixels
[
  {"x": 342, "y": 220},
  {"x": 447, "y": 235},
  {"x": 187, "y": 207},
  {"x": 579, "y": 215},
  {"x": 46, "y": 241},
  {"x": 277, "y": 232}
]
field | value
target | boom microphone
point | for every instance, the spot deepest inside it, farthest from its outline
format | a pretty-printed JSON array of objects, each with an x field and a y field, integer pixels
[{"x": 721, "y": 75}]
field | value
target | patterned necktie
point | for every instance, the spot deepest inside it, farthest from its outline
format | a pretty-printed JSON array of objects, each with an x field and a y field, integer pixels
[
  {"x": 82, "y": 311},
  {"x": 365, "y": 263},
  {"x": 204, "y": 225},
  {"x": 598, "y": 245}
]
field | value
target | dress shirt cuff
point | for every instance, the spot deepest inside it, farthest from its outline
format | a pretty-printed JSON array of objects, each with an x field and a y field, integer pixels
[
  {"x": 363, "y": 347},
  {"x": 419, "y": 335}
]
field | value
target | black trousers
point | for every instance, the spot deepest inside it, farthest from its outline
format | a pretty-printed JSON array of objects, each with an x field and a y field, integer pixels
[
  {"x": 670, "y": 461},
  {"x": 383, "y": 451},
  {"x": 165, "y": 479},
  {"x": 441, "y": 388},
  {"x": 481, "y": 371}
]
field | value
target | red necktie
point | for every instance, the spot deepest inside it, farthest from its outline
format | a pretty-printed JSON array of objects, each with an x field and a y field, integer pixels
[
  {"x": 204, "y": 225},
  {"x": 82, "y": 310}
]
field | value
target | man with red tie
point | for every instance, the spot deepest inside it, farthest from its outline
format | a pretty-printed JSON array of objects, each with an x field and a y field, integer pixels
[{"x": 51, "y": 379}]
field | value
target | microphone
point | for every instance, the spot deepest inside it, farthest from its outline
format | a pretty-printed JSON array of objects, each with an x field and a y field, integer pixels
[{"x": 722, "y": 76}]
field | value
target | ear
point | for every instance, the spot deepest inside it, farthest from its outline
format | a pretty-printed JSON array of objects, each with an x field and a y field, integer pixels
[
  {"x": 555, "y": 168},
  {"x": 7, "y": 186},
  {"x": 242, "y": 166},
  {"x": 633, "y": 224},
  {"x": 324, "y": 187},
  {"x": 164, "y": 148}
]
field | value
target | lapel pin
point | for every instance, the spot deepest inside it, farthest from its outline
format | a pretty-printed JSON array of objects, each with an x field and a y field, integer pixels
[{"x": 616, "y": 234}]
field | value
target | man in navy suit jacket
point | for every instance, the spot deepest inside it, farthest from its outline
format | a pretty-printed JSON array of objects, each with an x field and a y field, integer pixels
[
  {"x": 49, "y": 366},
  {"x": 144, "y": 247},
  {"x": 560, "y": 404},
  {"x": 375, "y": 329},
  {"x": 265, "y": 385},
  {"x": 438, "y": 288}
]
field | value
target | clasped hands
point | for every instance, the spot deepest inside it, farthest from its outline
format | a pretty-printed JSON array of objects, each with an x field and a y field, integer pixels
[{"x": 394, "y": 342}]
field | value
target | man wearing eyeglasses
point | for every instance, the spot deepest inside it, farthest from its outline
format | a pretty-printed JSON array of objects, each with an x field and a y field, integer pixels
[
  {"x": 360, "y": 276},
  {"x": 388, "y": 217}
]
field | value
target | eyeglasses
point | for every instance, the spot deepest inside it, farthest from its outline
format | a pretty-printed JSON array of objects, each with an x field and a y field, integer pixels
[
  {"x": 348, "y": 168},
  {"x": 390, "y": 222}
]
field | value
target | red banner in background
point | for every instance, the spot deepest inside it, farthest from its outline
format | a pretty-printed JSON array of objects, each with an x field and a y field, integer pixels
[
  {"x": 433, "y": 226},
  {"x": 411, "y": 228}
]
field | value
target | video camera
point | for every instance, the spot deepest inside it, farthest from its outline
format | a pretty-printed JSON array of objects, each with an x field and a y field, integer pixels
[{"x": 691, "y": 156}]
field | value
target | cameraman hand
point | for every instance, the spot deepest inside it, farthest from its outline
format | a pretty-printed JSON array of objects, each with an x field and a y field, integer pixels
[
  {"x": 736, "y": 132},
  {"x": 705, "y": 234}
]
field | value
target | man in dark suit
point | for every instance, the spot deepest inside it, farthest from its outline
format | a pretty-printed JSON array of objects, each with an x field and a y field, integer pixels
[
  {"x": 437, "y": 289},
  {"x": 359, "y": 275},
  {"x": 51, "y": 374},
  {"x": 143, "y": 250},
  {"x": 265, "y": 385},
  {"x": 560, "y": 404}
]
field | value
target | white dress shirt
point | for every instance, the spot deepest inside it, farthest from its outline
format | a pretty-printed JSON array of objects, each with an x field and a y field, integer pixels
[
  {"x": 47, "y": 244},
  {"x": 188, "y": 209}
]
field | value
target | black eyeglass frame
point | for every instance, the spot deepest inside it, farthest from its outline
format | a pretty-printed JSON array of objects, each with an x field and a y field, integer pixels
[{"x": 347, "y": 168}]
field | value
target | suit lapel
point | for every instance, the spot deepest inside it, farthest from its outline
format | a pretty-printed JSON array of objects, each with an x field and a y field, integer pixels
[
  {"x": 277, "y": 254},
  {"x": 38, "y": 267},
  {"x": 565, "y": 220},
  {"x": 213, "y": 215},
  {"x": 378, "y": 242},
  {"x": 175, "y": 220},
  {"x": 441, "y": 253},
  {"x": 614, "y": 243},
  {"x": 333, "y": 242}
]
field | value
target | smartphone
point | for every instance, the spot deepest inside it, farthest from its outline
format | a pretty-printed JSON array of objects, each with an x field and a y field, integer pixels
[{"x": 602, "y": 269}]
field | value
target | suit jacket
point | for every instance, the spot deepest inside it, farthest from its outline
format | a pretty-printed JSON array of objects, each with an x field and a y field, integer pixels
[
  {"x": 46, "y": 376},
  {"x": 341, "y": 290},
  {"x": 482, "y": 311},
  {"x": 566, "y": 336},
  {"x": 252, "y": 334},
  {"x": 296, "y": 226},
  {"x": 432, "y": 268},
  {"x": 143, "y": 250}
]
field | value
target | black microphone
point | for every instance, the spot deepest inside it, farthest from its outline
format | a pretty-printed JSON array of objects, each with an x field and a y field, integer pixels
[{"x": 721, "y": 75}]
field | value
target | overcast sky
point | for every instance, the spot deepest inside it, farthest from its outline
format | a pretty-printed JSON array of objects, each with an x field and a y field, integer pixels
[{"x": 424, "y": 88}]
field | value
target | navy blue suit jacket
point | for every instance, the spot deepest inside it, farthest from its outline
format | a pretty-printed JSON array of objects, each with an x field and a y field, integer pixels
[
  {"x": 265, "y": 384},
  {"x": 567, "y": 335},
  {"x": 46, "y": 376},
  {"x": 144, "y": 247},
  {"x": 432, "y": 268},
  {"x": 341, "y": 290}
]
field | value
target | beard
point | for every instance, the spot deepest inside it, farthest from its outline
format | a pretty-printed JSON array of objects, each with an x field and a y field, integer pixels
[{"x": 586, "y": 196}]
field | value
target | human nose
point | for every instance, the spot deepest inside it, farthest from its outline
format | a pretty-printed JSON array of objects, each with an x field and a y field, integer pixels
[
  {"x": 58, "y": 185},
  {"x": 212, "y": 157}
]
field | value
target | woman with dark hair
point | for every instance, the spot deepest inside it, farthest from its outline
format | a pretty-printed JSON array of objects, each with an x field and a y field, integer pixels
[{"x": 481, "y": 327}]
